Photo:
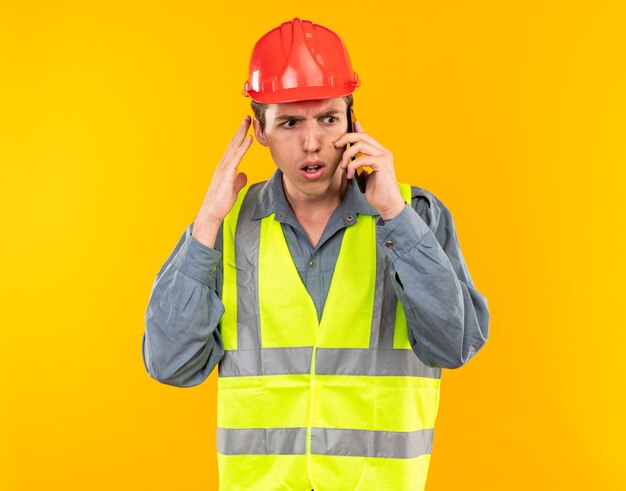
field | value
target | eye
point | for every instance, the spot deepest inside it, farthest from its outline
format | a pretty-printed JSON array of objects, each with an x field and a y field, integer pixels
[
  {"x": 290, "y": 123},
  {"x": 329, "y": 119}
]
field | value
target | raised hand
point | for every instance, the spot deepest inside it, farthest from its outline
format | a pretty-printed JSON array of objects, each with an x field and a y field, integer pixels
[{"x": 224, "y": 188}]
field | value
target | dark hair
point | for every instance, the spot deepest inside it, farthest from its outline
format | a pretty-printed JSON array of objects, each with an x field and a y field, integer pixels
[{"x": 259, "y": 109}]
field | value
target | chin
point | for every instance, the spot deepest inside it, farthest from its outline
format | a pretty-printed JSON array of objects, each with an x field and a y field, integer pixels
[
  {"x": 317, "y": 187},
  {"x": 314, "y": 188}
]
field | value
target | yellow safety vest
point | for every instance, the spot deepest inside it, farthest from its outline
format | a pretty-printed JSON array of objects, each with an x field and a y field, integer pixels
[{"x": 337, "y": 405}]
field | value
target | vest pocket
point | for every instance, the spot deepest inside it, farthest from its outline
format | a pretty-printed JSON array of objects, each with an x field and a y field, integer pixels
[{"x": 266, "y": 401}]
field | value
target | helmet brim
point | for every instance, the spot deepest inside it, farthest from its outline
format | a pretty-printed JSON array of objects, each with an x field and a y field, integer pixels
[{"x": 300, "y": 94}]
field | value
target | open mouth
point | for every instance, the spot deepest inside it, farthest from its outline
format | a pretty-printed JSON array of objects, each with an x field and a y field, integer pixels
[
  {"x": 313, "y": 170},
  {"x": 312, "y": 166}
]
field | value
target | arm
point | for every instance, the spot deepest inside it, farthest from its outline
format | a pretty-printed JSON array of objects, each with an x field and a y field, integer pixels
[
  {"x": 182, "y": 343},
  {"x": 447, "y": 317}
]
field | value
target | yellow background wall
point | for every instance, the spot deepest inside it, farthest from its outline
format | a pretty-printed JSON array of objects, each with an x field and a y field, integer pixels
[{"x": 113, "y": 115}]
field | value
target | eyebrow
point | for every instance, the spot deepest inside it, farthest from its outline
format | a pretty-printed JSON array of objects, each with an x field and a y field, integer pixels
[{"x": 288, "y": 117}]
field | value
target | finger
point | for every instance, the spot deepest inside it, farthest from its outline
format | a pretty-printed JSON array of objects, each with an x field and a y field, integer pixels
[
  {"x": 232, "y": 157},
  {"x": 360, "y": 147},
  {"x": 242, "y": 149},
  {"x": 241, "y": 131},
  {"x": 365, "y": 160},
  {"x": 358, "y": 127},
  {"x": 246, "y": 143},
  {"x": 357, "y": 137},
  {"x": 235, "y": 142},
  {"x": 238, "y": 137}
]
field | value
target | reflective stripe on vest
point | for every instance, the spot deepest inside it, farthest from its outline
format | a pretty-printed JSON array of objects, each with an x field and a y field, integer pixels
[
  {"x": 291, "y": 441},
  {"x": 304, "y": 393}
]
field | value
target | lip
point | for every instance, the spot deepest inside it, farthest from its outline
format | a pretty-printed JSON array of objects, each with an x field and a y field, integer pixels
[
  {"x": 315, "y": 174},
  {"x": 313, "y": 162}
]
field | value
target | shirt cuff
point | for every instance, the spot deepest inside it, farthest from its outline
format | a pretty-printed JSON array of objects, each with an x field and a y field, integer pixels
[
  {"x": 402, "y": 233},
  {"x": 197, "y": 260}
]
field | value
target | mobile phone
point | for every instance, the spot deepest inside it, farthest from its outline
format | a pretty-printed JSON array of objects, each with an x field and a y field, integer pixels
[{"x": 358, "y": 175}]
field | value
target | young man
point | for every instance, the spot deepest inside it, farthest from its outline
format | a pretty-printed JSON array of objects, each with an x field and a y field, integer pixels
[{"x": 330, "y": 311}]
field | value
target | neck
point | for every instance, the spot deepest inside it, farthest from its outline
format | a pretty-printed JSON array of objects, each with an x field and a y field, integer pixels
[{"x": 314, "y": 206}]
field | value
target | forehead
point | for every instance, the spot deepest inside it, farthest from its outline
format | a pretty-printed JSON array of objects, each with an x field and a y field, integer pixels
[{"x": 306, "y": 108}]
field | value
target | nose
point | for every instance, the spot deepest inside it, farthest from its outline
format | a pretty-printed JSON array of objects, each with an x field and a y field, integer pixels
[{"x": 312, "y": 140}]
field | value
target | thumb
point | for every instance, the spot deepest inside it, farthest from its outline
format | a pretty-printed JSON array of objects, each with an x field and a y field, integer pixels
[{"x": 240, "y": 182}]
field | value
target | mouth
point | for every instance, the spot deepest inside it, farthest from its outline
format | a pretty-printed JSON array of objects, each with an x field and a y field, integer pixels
[
  {"x": 312, "y": 166},
  {"x": 312, "y": 170}
]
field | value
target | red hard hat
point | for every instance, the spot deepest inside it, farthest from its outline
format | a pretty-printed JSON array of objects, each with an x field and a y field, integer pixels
[{"x": 299, "y": 61}]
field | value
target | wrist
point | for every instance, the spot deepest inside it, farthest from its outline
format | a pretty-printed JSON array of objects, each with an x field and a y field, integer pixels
[
  {"x": 391, "y": 212},
  {"x": 205, "y": 228}
]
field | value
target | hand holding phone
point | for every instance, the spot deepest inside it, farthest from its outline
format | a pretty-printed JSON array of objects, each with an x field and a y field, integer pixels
[{"x": 374, "y": 167}]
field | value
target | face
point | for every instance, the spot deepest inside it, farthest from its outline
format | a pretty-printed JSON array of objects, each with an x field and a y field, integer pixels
[{"x": 301, "y": 137}]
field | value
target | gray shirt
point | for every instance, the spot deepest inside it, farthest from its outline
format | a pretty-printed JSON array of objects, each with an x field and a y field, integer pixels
[{"x": 447, "y": 317}]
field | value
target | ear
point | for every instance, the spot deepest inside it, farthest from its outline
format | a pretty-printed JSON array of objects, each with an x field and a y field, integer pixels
[{"x": 260, "y": 137}]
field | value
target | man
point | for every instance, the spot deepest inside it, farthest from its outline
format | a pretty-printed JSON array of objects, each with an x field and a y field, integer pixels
[{"x": 330, "y": 311}]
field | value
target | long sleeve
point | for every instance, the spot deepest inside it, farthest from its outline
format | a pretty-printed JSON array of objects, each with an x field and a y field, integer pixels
[
  {"x": 182, "y": 344},
  {"x": 447, "y": 317}
]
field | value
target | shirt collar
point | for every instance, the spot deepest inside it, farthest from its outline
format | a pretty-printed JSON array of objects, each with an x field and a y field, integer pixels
[{"x": 272, "y": 199}]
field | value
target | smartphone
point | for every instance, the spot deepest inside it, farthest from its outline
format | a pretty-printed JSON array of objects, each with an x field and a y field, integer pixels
[{"x": 358, "y": 175}]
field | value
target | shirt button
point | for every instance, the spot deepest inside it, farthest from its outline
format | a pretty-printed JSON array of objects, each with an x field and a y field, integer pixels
[
  {"x": 280, "y": 215},
  {"x": 389, "y": 244},
  {"x": 350, "y": 218},
  {"x": 312, "y": 264}
]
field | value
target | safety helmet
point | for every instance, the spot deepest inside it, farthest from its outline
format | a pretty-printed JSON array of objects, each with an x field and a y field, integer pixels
[{"x": 299, "y": 60}]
